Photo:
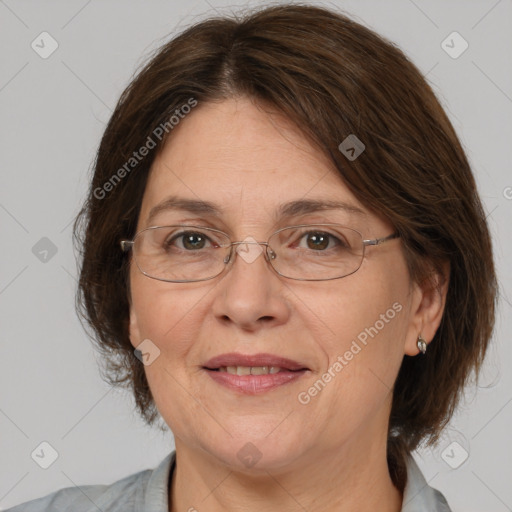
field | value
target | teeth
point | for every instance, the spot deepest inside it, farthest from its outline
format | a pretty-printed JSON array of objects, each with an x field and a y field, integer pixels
[
  {"x": 250, "y": 370},
  {"x": 259, "y": 370}
]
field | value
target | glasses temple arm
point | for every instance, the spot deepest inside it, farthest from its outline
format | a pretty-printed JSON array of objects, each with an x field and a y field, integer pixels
[
  {"x": 126, "y": 245},
  {"x": 378, "y": 241}
]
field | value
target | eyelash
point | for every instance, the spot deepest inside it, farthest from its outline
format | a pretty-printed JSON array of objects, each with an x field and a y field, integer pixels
[{"x": 302, "y": 235}]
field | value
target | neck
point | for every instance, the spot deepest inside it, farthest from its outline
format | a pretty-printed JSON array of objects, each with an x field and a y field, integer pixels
[{"x": 346, "y": 479}]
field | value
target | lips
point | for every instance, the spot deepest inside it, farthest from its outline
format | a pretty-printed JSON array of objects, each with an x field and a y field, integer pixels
[
  {"x": 253, "y": 374},
  {"x": 234, "y": 359}
]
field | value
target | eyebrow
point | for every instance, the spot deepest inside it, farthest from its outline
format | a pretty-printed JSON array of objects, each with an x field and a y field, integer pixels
[{"x": 288, "y": 209}]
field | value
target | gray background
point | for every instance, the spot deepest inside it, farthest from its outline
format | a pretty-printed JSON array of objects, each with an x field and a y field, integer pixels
[{"x": 53, "y": 112}]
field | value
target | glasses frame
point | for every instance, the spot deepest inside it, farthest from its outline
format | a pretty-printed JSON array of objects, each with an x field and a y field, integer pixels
[{"x": 127, "y": 245}]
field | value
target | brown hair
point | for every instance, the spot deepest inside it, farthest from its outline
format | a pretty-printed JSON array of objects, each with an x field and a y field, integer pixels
[{"x": 332, "y": 77}]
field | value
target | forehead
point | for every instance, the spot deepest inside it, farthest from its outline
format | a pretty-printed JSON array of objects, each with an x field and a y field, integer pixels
[{"x": 245, "y": 162}]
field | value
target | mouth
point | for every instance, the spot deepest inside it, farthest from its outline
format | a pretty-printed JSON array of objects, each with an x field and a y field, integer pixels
[
  {"x": 252, "y": 370},
  {"x": 253, "y": 374},
  {"x": 257, "y": 361}
]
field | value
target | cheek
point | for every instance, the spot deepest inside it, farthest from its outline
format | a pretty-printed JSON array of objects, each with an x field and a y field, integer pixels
[
  {"x": 170, "y": 315},
  {"x": 365, "y": 327},
  {"x": 167, "y": 316},
  {"x": 361, "y": 312}
]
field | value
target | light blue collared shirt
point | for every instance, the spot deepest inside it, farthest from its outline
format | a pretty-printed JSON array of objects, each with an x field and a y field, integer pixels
[{"x": 147, "y": 491}]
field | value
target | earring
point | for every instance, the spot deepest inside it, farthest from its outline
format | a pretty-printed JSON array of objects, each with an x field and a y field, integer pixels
[{"x": 422, "y": 344}]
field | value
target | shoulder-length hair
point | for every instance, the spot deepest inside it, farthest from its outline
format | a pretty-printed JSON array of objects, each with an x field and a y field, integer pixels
[{"x": 331, "y": 77}]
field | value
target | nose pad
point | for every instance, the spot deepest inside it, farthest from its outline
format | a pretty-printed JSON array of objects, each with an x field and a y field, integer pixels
[{"x": 270, "y": 255}]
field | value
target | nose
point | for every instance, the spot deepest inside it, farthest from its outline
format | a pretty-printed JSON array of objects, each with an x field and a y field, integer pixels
[{"x": 250, "y": 294}]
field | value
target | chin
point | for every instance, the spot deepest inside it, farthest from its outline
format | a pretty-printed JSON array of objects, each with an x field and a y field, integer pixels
[{"x": 253, "y": 454}]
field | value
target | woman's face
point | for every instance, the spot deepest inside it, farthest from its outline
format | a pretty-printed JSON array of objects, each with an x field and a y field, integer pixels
[{"x": 351, "y": 333}]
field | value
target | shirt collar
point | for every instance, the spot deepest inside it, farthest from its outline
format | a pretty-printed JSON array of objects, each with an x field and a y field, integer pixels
[
  {"x": 156, "y": 498},
  {"x": 418, "y": 495}
]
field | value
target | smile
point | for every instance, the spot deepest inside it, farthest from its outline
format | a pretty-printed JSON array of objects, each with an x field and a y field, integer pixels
[{"x": 247, "y": 380}]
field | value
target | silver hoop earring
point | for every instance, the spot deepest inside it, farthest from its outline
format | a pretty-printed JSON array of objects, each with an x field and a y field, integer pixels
[{"x": 422, "y": 344}]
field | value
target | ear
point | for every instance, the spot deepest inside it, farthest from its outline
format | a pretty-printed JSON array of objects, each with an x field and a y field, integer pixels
[
  {"x": 427, "y": 308},
  {"x": 135, "y": 338},
  {"x": 134, "y": 331}
]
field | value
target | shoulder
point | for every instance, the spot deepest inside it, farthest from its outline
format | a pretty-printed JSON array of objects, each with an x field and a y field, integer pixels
[
  {"x": 87, "y": 498},
  {"x": 129, "y": 494},
  {"x": 418, "y": 495}
]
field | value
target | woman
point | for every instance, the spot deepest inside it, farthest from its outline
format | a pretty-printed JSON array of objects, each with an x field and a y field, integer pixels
[{"x": 285, "y": 256}]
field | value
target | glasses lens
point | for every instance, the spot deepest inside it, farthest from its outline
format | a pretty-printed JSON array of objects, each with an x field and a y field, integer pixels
[
  {"x": 181, "y": 253},
  {"x": 316, "y": 252}
]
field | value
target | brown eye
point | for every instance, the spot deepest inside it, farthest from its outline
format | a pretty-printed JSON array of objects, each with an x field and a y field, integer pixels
[
  {"x": 317, "y": 240},
  {"x": 321, "y": 240},
  {"x": 189, "y": 241}
]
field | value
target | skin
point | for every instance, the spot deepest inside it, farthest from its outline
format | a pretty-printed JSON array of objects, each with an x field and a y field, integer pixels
[{"x": 327, "y": 455}]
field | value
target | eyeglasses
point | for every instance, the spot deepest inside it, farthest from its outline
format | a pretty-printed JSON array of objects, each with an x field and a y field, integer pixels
[{"x": 306, "y": 252}]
